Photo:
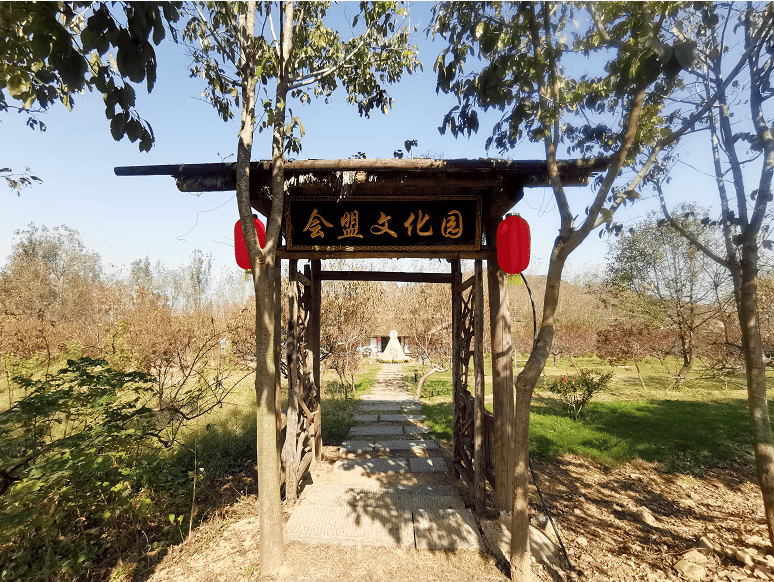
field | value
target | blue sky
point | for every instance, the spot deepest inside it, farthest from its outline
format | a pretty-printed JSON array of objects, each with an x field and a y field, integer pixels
[{"x": 127, "y": 218}]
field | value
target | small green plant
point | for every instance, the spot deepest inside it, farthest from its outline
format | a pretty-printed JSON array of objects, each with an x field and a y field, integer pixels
[
  {"x": 337, "y": 417},
  {"x": 577, "y": 390}
]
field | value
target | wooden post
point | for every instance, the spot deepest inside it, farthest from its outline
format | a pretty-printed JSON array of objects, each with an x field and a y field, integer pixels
[
  {"x": 502, "y": 378},
  {"x": 456, "y": 358},
  {"x": 278, "y": 357},
  {"x": 478, "y": 413},
  {"x": 313, "y": 343},
  {"x": 314, "y": 323},
  {"x": 291, "y": 432}
]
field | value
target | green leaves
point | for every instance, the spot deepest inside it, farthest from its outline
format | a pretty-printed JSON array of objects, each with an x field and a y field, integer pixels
[
  {"x": 577, "y": 390},
  {"x": 378, "y": 53},
  {"x": 17, "y": 181},
  {"x": 18, "y": 85},
  {"x": 48, "y": 56},
  {"x": 64, "y": 450},
  {"x": 624, "y": 50}
]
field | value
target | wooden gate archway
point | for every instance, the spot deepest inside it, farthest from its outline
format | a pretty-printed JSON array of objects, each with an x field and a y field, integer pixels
[
  {"x": 474, "y": 452},
  {"x": 483, "y": 191}
]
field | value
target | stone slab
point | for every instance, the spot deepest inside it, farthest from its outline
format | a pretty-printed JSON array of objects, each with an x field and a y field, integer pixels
[
  {"x": 423, "y": 489},
  {"x": 385, "y": 500},
  {"x": 371, "y": 465},
  {"x": 357, "y": 446},
  {"x": 375, "y": 430},
  {"x": 366, "y": 418},
  {"x": 388, "y": 397},
  {"x": 415, "y": 429},
  {"x": 344, "y": 489},
  {"x": 346, "y": 525},
  {"x": 401, "y": 417},
  {"x": 404, "y": 445},
  {"x": 381, "y": 406},
  {"x": 446, "y": 529},
  {"x": 427, "y": 465}
]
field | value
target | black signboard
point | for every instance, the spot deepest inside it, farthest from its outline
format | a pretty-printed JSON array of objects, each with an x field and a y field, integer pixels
[{"x": 383, "y": 223}]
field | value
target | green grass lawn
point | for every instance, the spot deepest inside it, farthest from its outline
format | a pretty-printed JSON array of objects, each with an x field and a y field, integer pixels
[{"x": 701, "y": 424}]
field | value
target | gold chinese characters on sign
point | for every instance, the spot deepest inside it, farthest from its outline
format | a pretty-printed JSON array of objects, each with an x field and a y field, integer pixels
[{"x": 383, "y": 223}]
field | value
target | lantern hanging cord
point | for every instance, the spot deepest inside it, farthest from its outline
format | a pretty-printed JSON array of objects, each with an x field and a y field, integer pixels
[
  {"x": 531, "y": 470},
  {"x": 550, "y": 518},
  {"x": 534, "y": 317}
]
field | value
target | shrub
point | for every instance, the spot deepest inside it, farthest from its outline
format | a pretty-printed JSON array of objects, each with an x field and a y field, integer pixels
[
  {"x": 577, "y": 390},
  {"x": 70, "y": 465}
]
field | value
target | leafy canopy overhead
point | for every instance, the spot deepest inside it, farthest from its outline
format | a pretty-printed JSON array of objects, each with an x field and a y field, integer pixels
[
  {"x": 600, "y": 54},
  {"x": 52, "y": 50},
  {"x": 321, "y": 61}
]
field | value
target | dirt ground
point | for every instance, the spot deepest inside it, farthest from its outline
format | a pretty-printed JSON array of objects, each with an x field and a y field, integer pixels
[{"x": 630, "y": 523}]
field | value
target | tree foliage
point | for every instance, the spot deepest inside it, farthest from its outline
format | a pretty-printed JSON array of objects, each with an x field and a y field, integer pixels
[
  {"x": 622, "y": 342},
  {"x": 733, "y": 71},
  {"x": 348, "y": 315},
  {"x": 528, "y": 69},
  {"x": 628, "y": 44},
  {"x": 377, "y": 52},
  {"x": 49, "y": 273},
  {"x": 428, "y": 309},
  {"x": 51, "y": 51},
  {"x": 669, "y": 281},
  {"x": 16, "y": 181},
  {"x": 577, "y": 390},
  {"x": 68, "y": 455}
]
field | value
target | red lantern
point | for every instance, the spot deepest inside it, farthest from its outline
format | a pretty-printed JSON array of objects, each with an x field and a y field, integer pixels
[
  {"x": 513, "y": 242},
  {"x": 240, "y": 248}
]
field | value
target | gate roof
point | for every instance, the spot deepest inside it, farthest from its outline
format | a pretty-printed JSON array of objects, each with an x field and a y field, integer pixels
[{"x": 500, "y": 182}]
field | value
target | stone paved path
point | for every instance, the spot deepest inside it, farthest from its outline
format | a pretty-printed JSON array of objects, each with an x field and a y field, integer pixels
[{"x": 370, "y": 506}]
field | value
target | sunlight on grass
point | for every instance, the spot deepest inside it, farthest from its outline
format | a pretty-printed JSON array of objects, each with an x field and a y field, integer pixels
[{"x": 701, "y": 424}]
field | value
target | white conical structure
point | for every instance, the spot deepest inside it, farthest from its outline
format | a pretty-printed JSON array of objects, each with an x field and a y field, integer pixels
[{"x": 393, "y": 352}]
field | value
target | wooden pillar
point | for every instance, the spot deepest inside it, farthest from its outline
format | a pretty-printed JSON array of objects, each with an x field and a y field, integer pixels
[
  {"x": 502, "y": 378},
  {"x": 278, "y": 357},
  {"x": 314, "y": 346},
  {"x": 314, "y": 323},
  {"x": 291, "y": 432},
  {"x": 456, "y": 355},
  {"x": 478, "y": 366}
]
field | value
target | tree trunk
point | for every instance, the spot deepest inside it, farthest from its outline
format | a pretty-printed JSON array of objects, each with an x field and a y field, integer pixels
[
  {"x": 264, "y": 280},
  {"x": 760, "y": 423},
  {"x": 425, "y": 377},
  {"x": 525, "y": 386},
  {"x": 683, "y": 372},
  {"x": 639, "y": 374}
]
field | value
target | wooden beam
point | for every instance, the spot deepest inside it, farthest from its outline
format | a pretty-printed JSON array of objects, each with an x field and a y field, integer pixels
[
  {"x": 479, "y": 490},
  {"x": 283, "y": 253},
  {"x": 526, "y": 167},
  {"x": 467, "y": 283},
  {"x": 386, "y": 276},
  {"x": 289, "y": 446},
  {"x": 303, "y": 279}
]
